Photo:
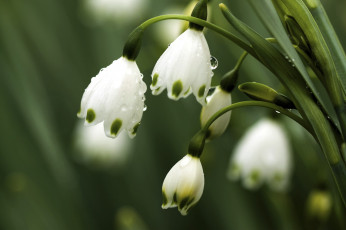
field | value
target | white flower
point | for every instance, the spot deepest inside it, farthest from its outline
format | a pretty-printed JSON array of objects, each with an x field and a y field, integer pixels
[
  {"x": 262, "y": 155},
  {"x": 115, "y": 10},
  {"x": 183, "y": 185},
  {"x": 185, "y": 65},
  {"x": 95, "y": 149},
  {"x": 115, "y": 96},
  {"x": 218, "y": 100}
]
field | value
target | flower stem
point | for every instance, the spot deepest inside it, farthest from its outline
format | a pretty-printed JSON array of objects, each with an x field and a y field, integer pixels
[
  {"x": 201, "y": 22},
  {"x": 243, "y": 104}
]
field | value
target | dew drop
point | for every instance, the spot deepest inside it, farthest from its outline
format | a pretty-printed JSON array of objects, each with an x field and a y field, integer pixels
[
  {"x": 286, "y": 57},
  {"x": 145, "y": 108},
  {"x": 213, "y": 62},
  {"x": 277, "y": 111}
]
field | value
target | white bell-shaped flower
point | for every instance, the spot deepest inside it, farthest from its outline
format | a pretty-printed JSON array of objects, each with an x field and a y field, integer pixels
[
  {"x": 183, "y": 67},
  {"x": 262, "y": 155},
  {"x": 218, "y": 100},
  {"x": 183, "y": 185},
  {"x": 115, "y": 96}
]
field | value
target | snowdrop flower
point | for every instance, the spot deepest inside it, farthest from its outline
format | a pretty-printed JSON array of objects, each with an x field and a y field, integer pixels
[
  {"x": 183, "y": 185},
  {"x": 218, "y": 100},
  {"x": 115, "y": 10},
  {"x": 184, "y": 67},
  {"x": 95, "y": 149},
  {"x": 115, "y": 96},
  {"x": 262, "y": 155}
]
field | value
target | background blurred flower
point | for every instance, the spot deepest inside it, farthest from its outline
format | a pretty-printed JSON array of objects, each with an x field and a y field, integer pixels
[
  {"x": 262, "y": 155},
  {"x": 96, "y": 149},
  {"x": 117, "y": 11}
]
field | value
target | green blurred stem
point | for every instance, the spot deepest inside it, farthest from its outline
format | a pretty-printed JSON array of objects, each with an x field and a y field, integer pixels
[
  {"x": 201, "y": 22},
  {"x": 243, "y": 104}
]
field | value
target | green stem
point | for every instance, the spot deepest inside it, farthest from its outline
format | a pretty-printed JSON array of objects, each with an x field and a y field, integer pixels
[
  {"x": 240, "y": 60},
  {"x": 243, "y": 104},
  {"x": 201, "y": 22}
]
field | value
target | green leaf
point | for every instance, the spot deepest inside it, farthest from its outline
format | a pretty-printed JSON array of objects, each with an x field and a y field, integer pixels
[
  {"x": 267, "y": 12},
  {"x": 332, "y": 40}
]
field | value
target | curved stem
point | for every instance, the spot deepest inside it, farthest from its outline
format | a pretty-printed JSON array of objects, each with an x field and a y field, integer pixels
[
  {"x": 201, "y": 22},
  {"x": 242, "y": 104},
  {"x": 240, "y": 60}
]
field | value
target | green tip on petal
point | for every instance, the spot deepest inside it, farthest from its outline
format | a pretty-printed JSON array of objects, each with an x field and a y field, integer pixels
[
  {"x": 254, "y": 176},
  {"x": 164, "y": 199},
  {"x": 278, "y": 177},
  {"x": 135, "y": 128},
  {"x": 201, "y": 91},
  {"x": 175, "y": 199},
  {"x": 177, "y": 88},
  {"x": 187, "y": 91},
  {"x": 155, "y": 78},
  {"x": 90, "y": 117},
  {"x": 183, "y": 203},
  {"x": 78, "y": 114},
  {"x": 116, "y": 125}
]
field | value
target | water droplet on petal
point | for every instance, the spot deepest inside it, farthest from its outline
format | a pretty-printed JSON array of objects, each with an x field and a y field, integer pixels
[
  {"x": 213, "y": 62},
  {"x": 145, "y": 108}
]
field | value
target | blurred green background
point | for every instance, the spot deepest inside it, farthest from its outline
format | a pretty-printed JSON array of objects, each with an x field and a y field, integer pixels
[{"x": 49, "y": 50}]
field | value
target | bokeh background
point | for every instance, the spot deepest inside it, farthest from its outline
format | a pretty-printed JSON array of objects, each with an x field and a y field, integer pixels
[{"x": 49, "y": 50}]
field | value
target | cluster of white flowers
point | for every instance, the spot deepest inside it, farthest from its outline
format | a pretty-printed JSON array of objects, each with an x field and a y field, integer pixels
[
  {"x": 115, "y": 97},
  {"x": 262, "y": 155},
  {"x": 116, "y": 94}
]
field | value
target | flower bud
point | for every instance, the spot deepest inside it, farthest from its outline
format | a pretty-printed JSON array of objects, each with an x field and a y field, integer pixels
[
  {"x": 261, "y": 92},
  {"x": 218, "y": 100},
  {"x": 183, "y": 185}
]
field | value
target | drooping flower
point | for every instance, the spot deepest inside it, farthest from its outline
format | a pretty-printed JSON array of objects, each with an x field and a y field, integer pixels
[
  {"x": 183, "y": 185},
  {"x": 262, "y": 155},
  {"x": 218, "y": 100},
  {"x": 94, "y": 149},
  {"x": 115, "y": 96},
  {"x": 184, "y": 67}
]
